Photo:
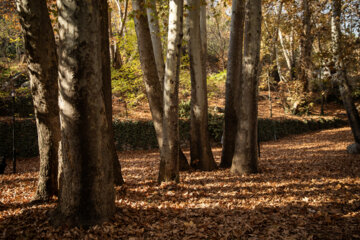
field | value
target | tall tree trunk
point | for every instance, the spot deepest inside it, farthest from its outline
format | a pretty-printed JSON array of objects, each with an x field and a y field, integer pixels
[
  {"x": 203, "y": 31},
  {"x": 340, "y": 75},
  {"x": 305, "y": 73},
  {"x": 233, "y": 80},
  {"x": 200, "y": 149},
  {"x": 43, "y": 70},
  {"x": 151, "y": 76},
  {"x": 106, "y": 74},
  {"x": 245, "y": 153},
  {"x": 169, "y": 165},
  {"x": 156, "y": 40},
  {"x": 87, "y": 186}
]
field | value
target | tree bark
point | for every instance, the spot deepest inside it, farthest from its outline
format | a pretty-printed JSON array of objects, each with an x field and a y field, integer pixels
[
  {"x": 106, "y": 78},
  {"x": 43, "y": 71},
  {"x": 156, "y": 40},
  {"x": 306, "y": 41},
  {"x": 169, "y": 165},
  {"x": 233, "y": 80},
  {"x": 200, "y": 149},
  {"x": 151, "y": 76},
  {"x": 245, "y": 153},
  {"x": 340, "y": 76},
  {"x": 203, "y": 31},
  {"x": 87, "y": 186}
]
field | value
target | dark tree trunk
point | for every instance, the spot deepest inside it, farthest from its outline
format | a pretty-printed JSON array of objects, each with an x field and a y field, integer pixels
[
  {"x": 118, "y": 179},
  {"x": 233, "y": 79},
  {"x": 340, "y": 76},
  {"x": 306, "y": 41},
  {"x": 43, "y": 70},
  {"x": 87, "y": 185},
  {"x": 245, "y": 153}
]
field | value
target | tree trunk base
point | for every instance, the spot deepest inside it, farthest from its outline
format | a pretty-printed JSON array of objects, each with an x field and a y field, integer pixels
[
  {"x": 183, "y": 163},
  {"x": 353, "y": 148}
]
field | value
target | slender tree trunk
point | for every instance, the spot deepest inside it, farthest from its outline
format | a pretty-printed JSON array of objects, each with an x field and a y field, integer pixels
[
  {"x": 306, "y": 46},
  {"x": 43, "y": 70},
  {"x": 200, "y": 149},
  {"x": 115, "y": 54},
  {"x": 151, "y": 76},
  {"x": 340, "y": 75},
  {"x": 156, "y": 40},
  {"x": 106, "y": 74},
  {"x": 87, "y": 185},
  {"x": 169, "y": 166},
  {"x": 233, "y": 79},
  {"x": 245, "y": 154}
]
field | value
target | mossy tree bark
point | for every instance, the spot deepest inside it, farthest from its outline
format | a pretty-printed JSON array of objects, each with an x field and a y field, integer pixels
[
  {"x": 43, "y": 70},
  {"x": 233, "y": 80},
  {"x": 200, "y": 149},
  {"x": 86, "y": 186},
  {"x": 245, "y": 153}
]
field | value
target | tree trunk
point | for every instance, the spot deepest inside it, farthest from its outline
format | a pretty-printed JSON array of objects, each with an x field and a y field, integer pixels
[
  {"x": 233, "y": 79},
  {"x": 106, "y": 74},
  {"x": 156, "y": 40},
  {"x": 151, "y": 76},
  {"x": 200, "y": 149},
  {"x": 43, "y": 70},
  {"x": 245, "y": 153},
  {"x": 306, "y": 46},
  {"x": 87, "y": 186},
  {"x": 203, "y": 31},
  {"x": 340, "y": 75},
  {"x": 169, "y": 165}
]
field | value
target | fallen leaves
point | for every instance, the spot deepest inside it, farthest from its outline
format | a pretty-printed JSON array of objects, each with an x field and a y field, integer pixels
[{"x": 308, "y": 188}]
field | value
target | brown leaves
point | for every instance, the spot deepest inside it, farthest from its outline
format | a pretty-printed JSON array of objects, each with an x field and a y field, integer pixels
[{"x": 308, "y": 188}]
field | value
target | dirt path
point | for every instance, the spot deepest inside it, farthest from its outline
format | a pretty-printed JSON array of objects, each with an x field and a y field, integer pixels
[{"x": 308, "y": 188}]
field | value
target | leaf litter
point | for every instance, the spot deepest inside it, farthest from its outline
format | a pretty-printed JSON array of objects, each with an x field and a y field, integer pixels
[{"x": 308, "y": 188}]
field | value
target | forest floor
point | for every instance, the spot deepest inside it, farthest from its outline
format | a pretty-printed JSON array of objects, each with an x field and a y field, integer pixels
[
  {"x": 308, "y": 188},
  {"x": 142, "y": 111}
]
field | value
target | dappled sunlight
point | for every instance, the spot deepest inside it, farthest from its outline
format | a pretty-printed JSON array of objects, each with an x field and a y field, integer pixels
[{"x": 308, "y": 187}]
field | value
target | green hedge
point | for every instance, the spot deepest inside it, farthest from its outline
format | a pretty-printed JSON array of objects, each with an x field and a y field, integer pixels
[{"x": 141, "y": 134}]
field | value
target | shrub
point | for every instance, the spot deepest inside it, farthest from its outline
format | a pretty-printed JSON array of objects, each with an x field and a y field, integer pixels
[{"x": 141, "y": 134}]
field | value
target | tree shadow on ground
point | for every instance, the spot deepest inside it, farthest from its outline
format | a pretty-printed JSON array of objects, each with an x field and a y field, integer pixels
[{"x": 310, "y": 191}]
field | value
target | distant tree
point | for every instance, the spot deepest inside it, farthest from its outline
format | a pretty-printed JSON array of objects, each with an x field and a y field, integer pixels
[
  {"x": 233, "y": 80},
  {"x": 245, "y": 152},
  {"x": 306, "y": 41},
  {"x": 341, "y": 77},
  {"x": 86, "y": 183},
  {"x": 200, "y": 149},
  {"x": 43, "y": 71}
]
